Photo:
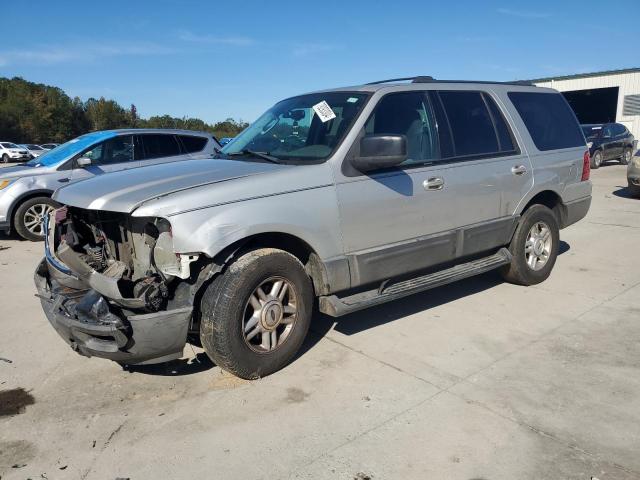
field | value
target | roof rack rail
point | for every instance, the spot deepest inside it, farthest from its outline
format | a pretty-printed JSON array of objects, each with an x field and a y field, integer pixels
[
  {"x": 429, "y": 79},
  {"x": 403, "y": 79}
]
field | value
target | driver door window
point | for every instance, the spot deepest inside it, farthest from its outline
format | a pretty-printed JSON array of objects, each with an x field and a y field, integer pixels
[
  {"x": 407, "y": 114},
  {"x": 113, "y": 151}
]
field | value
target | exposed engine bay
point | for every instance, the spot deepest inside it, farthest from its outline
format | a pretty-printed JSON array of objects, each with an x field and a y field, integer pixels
[{"x": 128, "y": 260}]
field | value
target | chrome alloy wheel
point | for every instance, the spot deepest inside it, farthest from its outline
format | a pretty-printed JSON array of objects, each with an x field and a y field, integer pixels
[
  {"x": 34, "y": 217},
  {"x": 627, "y": 156},
  {"x": 270, "y": 315},
  {"x": 537, "y": 248}
]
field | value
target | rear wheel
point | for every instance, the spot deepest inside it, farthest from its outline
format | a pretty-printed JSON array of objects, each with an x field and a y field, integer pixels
[
  {"x": 29, "y": 217},
  {"x": 596, "y": 160},
  {"x": 626, "y": 156},
  {"x": 256, "y": 315},
  {"x": 534, "y": 247},
  {"x": 634, "y": 190}
]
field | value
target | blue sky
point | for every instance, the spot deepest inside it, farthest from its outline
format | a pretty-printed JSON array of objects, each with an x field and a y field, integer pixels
[{"x": 215, "y": 60}]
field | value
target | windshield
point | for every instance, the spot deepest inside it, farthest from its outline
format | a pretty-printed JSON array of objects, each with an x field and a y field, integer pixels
[
  {"x": 304, "y": 128},
  {"x": 67, "y": 150},
  {"x": 34, "y": 147},
  {"x": 591, "y": 131},
  {"x": 10, "y": 145}
]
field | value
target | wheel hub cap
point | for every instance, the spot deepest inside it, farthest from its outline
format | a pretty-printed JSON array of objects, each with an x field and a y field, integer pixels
[
  {"x": 537, "y": 249},
  {"x": 270, "y": 315}
]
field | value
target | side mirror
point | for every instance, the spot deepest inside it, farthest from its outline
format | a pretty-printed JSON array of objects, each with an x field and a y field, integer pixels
[
  {"x": 83, "y": 162},
  {"x": 380, "y": 151}
]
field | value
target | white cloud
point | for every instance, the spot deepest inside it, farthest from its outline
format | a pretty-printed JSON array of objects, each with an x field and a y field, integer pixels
[
  {"x": 306, "y": 49},
  {"x": 523, "y": 14},
  {"x": 49, "y": 55},
  {"x": 239, "y": 41}
]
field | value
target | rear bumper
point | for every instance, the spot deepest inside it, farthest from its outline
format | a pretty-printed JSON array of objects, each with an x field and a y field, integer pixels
[
  {"x": 94, "y": 328},
  {"x": 575, "y": 211}
]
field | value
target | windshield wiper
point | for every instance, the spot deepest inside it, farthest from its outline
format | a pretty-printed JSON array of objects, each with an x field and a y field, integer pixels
[{"x": 263, "y": 155}]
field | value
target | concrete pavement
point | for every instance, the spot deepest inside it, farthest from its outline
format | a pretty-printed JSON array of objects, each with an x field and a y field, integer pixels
[{"x": 479, "y": 379}]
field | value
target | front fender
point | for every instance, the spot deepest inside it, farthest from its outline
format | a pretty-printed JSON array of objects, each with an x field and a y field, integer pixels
[{"x": 310, "y": 215}]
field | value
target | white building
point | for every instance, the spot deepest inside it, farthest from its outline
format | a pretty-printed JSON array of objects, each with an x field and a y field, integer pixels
[{"x": 600, "y": 97}]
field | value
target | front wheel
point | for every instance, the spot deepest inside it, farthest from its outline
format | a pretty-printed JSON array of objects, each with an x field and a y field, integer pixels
[
  {"x": 626, "y": 156},
  {"x": 30, "y": 216},
  {"x": 534, "y": 247},
  {"x": 596, "y": 160},
  {"x": 256, "y": 315},
  {"x": 5, "y": 158}
]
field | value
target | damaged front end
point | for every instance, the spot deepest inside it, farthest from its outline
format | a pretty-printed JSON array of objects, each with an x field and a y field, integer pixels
[{"x": 112, "y": 287}]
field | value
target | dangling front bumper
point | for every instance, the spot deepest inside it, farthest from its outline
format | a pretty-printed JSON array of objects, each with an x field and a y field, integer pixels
[{"x": 93, "y": 326}]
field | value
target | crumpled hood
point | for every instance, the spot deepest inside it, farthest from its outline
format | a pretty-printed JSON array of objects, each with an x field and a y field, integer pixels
[{"x": 126, "y": 190}]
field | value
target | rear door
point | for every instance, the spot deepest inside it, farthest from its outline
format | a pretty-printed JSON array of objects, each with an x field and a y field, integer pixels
[{"x": 160, "y": 148}]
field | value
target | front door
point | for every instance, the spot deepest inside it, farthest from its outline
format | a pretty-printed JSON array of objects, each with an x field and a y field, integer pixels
[
  {"x": 449, "y": 198},
  {"x": 111, "y": 155}
]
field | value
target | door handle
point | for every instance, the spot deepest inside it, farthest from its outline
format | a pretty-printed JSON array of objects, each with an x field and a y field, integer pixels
[
  {"x": 63, "y": 180},
  {"x": 433, "y": 183},
  {"x": 519, "y": 170}
]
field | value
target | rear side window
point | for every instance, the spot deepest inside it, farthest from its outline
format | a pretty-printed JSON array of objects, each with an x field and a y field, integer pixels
[
  {"x": 619, "y": 129},
  {"x": 159, "y": 145},
  {"x": 549, "y": 120},
  {"x": 470, "y": 122},
  {"x": 192, "y": 144}
]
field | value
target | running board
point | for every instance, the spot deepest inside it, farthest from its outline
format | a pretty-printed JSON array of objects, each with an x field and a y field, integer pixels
[{"x": 336, "y": 306}]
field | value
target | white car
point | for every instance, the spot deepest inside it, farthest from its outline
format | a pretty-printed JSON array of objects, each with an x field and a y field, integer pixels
[
  {"x": 34, "y": 150},
  {"x": 12, "y": 152},
  {"x": 49, "y": 146}
]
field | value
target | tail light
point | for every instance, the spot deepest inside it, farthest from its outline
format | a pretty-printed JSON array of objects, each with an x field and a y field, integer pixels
[{"x": 586, "y": 166}]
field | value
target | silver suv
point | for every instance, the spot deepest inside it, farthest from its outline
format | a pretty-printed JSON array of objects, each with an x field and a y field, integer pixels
[
  {"x": 25, "y": 191},
  {"x": 355, "y": 196}
]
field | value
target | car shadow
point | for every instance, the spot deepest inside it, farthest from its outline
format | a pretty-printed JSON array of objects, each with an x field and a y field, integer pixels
[
  {"x": 373, "y": 317},
  {"x": 174, "y": 368},
  {"x": 623, "y": 192}
]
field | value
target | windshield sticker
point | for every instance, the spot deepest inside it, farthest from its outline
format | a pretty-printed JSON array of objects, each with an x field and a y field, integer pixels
[
  {"x": 352, "y": 99},
  {"x": 324, "y": 111}
]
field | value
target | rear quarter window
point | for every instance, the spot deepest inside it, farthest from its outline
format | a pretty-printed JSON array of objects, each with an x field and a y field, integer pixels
[
  {"x": 549, "y": 120},
  {"x": 192, "y": 143}
]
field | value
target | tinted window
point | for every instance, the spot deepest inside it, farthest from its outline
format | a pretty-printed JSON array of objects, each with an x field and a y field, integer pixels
[
  {"x": 470, "y": 122},
  {"x": 114, "y": 150},
  {"x": 193, "y": 144},
  {"x": 549, "y": 119},
  {"x": 159, "y": 145},
  {"x": 619, "y": 129},
  {"x": 406, "y": 114},
  {"x": 505, "y": 140},
  {"x": 591, "y": 131}
]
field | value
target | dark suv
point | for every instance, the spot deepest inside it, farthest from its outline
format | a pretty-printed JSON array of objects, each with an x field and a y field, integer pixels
[{"x": 608, "y": 141}]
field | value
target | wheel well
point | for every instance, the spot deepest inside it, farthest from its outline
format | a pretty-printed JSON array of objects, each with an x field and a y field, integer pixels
[
  {"x": 29, "y": 196},
  {"x": 550, "y": 200},
  {"x": 282, "y": 241}
]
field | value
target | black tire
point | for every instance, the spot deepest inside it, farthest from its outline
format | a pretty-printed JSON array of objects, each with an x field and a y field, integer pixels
[
  {"x": 634, "y": 190},
  {"x": 224, "y": 305},
  {"x": 596, "y": 160},
  {"x": 626, "y": 156},
  {"x": 19, "y": 220},
  {"x": 5, "y": 158},
  {"x": 518, "y": 271}
]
